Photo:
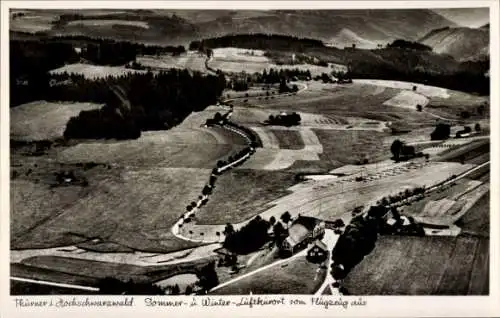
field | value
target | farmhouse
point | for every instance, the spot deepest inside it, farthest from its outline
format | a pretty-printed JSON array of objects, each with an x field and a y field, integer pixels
[
  {"x": 318, "y": 253},
  {"x": 303, "y": 231}
]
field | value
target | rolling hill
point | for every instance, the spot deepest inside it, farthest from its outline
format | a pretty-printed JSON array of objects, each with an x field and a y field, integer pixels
[
  {"x": 182, "y": 26},
  {"x": 467, "y": 17},
  {"x": 346, "y": 38},
  {"x": 462, "y": 43}
]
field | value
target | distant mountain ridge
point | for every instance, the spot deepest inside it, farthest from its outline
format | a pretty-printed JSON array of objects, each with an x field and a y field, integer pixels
[
  {"x": 182, "y": 26},
  {"x": 461, "y": 43}
]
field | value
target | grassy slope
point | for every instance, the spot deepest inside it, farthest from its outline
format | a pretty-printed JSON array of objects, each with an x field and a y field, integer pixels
[
  {"x": 289, "y": 139},
  {"x": 348, "y": 147},
  {"x": 477, "y": 220},
  {"x": 68, "y": 269},
  {"x": 43, "y": 120},
  {"x": 423, "y": 266},
  {"x": 241, "y": 194},
  {"x": 135, "y": 209},
  {"x": 295, "y": 278}
]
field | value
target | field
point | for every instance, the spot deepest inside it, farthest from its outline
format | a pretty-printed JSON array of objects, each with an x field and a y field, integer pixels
[
  {"x": 477, "y": 220},
  {"x": 423, "y": 266},
  {"x": 358, "y": 100},
  {"x": 191, "y": 60},
  {"x": 135, "y": 194},
  {"x": 109, "y": 22},
  {"x": 43, "y": 120},
  {"x": 448, "y": 206},
  {"x": 86, "y": 272},
  {"x": 133, "y": 208},
  {"x": 296, "y": 276},
  {"x": 470, "y": 151},
  {"x": 94, "y": 71},
  {"x": 243, "y": 193},
  {"x": 350, "y": 147},
  {"x": 31, "y": 22},
  {"x": 234, "y": 60},
  {"x": 178, "y": 147},
  {"x": 289, "y": 139}
]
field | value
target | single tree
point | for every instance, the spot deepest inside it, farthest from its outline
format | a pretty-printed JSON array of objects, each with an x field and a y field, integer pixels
[
  {"x": 228, "y": 230},
  {"x": 396, "y": 147},
  {"x": 286, "y": 217},
  {"x": 272, "y": 220}
]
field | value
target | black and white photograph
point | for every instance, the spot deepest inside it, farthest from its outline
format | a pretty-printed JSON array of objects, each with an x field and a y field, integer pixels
[{"x": 202, "y": 152}]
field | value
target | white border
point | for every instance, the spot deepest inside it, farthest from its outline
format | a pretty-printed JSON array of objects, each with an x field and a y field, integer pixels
[{"x": 390, "y": 306}]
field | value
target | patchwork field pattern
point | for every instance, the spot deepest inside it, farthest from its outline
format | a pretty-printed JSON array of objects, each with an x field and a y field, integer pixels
[{"x": 234, "y": 60}]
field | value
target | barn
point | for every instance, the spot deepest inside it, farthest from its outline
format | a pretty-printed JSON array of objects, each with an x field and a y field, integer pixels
[{"x": 303, "y": 231}]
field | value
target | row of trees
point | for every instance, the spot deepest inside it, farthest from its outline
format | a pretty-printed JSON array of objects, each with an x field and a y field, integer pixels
[
  {"x": 357, "y": 241},
  {"x": 403, "y": 44},
  {"x": 249, "y": 238},
  {"x": 276, "y": 76},
  {"x": 258, "y": 41},
  {"x": 255, "y": 234},
  {"x": 441, "y": 132},
  {"x": 400, "y": 151},
  {"x": 292, "y": 119}
]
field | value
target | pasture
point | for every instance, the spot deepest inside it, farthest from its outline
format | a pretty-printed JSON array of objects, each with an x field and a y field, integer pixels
[
  {"x": 289, "y": 139},
  {"x": 132, "y": 208},
  {"x": 235, "y": 60},
  {"x": 191, "y": 61},
  {"x": 401, "y": 265},
  {"x": 109, "y": 22},
  {"x": 43, "y": 120},
  {"x": 297, "y": 276},
  {"x": 342, "y": 147},
  {"x": 94, "y": 71},
  {"x": 242, "y": 193},
  {"x": 62, "y": 269},
  {"x": 477, "y": 220},
  {"x": 31, "y": 22},
  {"x": 178, "y": 147}
]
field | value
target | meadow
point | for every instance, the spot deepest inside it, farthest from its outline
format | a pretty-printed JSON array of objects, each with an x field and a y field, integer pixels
[{"x": 401, "y": 265}]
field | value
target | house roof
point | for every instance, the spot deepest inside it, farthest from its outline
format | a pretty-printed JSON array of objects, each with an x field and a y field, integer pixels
[
  {"x": 321, "y": 245},
  {"x": 296, "y": 234},
  {"x": 300, "y": 229},
  {"x": 308, "y": 222}
]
